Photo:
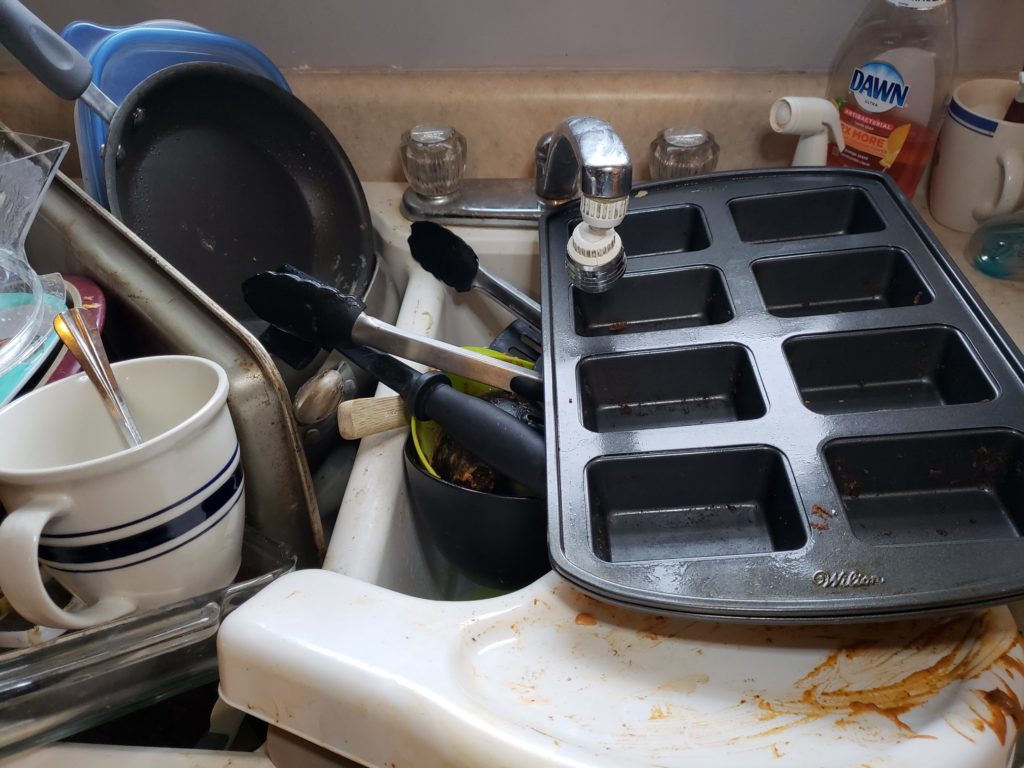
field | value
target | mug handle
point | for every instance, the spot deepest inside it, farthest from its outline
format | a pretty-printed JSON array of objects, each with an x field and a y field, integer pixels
[
  {"x": 1012, "y": 167},
  {"x": 22, "y": 583}
]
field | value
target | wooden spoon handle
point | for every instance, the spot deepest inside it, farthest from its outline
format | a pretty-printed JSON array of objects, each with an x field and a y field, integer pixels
[{"x": 366, "y": 416}]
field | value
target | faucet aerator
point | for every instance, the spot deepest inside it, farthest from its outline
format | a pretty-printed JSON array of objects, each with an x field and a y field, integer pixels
[{"x": 595, "y": 258}]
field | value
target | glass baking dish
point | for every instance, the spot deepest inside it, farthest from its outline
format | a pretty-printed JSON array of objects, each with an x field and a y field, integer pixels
[{"x": 85, "y": 678}]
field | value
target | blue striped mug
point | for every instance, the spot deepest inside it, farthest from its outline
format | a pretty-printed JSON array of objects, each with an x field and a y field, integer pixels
[
  {"x": 124, "y": 529},
  {"x": 978, "y": 170}
]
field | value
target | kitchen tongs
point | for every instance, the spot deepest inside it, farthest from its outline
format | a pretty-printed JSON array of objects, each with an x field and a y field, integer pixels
[
  {"x": 309, "y": 309},
  {"x": 317, "y": 314}
]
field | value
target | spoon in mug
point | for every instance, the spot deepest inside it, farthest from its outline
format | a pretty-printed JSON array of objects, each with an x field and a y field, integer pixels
[{"x": 84, "y": 343}]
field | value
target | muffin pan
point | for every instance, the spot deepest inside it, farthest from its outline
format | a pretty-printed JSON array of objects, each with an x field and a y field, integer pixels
[{"x": 792, "y": 407}]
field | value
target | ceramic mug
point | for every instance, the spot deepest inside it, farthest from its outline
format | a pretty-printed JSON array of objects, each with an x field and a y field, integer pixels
[
  {"x": 124, "y": 529},
  {"x": 978, "y": 170}
]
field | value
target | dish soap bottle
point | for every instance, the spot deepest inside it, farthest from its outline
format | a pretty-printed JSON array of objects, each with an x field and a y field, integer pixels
[{"x": 890, "y": 81}]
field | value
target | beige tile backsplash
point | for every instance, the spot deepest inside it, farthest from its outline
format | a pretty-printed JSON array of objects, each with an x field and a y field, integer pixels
[{"x": 503, "y": 115}]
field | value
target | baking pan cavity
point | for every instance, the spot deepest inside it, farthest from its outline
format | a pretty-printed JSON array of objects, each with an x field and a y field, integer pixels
[
  {"x": 668, "y": 388},
  {"x": 690, "y": 505},
  {"x": 932, "y": 488},
  {"x": 844, "y": 281},
  {"x": 798, "y": 215},
  {"x": 886, "y": 369},
  {"x": 654, "y": 301},
  {"x": 681, "y": 228}
]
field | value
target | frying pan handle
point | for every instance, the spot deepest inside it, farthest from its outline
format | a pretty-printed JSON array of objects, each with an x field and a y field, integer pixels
[{"x": 44, "y": 53}]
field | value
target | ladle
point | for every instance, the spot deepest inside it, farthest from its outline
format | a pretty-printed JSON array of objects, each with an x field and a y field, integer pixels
[{"x": 85, "y": 344}]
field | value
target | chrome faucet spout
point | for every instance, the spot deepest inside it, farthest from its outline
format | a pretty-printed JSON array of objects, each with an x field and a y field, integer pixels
[{"x": 586, "y": 150}]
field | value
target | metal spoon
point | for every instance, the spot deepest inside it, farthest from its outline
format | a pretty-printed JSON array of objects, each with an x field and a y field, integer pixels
[
  {"x": 84, "y": 342},
  {"x": 321, "y": 395}
]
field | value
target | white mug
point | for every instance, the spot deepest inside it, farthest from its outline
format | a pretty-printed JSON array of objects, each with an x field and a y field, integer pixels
[
  {"x": 978, "y": 171},
  {"x": 124, "y": 529}
]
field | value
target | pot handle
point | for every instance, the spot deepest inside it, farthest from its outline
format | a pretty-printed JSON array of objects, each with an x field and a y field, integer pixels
[{"x": 44, "y": 53}]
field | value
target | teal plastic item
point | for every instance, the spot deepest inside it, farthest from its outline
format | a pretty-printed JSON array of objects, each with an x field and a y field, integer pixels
[
  {"x": 13, "y": 379},
  {"x": 122, "y": 57},
  {"x": 997, "y": 248}
]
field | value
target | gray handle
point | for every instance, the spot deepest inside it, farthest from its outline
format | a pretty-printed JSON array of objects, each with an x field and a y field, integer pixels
[{"x": 44, "y": 53}]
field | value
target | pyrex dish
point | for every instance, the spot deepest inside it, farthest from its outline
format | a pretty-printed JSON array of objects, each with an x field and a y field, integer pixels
[
  {"x": 122, "y": 57},
  {"x": 51, "y": 301},
  {"x": 95, "y": 675},
  {"x": 791, "y": 407}
]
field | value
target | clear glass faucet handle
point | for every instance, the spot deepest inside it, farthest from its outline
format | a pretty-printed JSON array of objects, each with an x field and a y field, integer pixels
[
  {"x": 683, "y": 152},
  {"x": 434, "y": 159}
]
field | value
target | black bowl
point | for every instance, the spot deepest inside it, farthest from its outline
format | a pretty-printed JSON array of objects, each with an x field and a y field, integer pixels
[{"x": 494, "y": 540}]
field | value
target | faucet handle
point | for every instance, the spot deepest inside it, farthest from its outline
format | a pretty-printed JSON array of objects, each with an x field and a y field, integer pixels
[
  {"x": 682, "y": 152},
  {"x": 434, "y": 159}
]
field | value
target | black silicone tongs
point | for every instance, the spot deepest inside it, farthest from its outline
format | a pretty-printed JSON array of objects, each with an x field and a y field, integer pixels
[
  {"x": 453, "y": 261},
  {"x": 310, "y": 309},
  {"x": 305, "y": 308}
]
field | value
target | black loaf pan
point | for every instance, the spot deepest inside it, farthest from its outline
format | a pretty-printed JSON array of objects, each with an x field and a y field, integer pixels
[{"x": 792, "y": 407}]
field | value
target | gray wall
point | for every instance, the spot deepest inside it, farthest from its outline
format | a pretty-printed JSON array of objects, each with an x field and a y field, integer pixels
[{"x": 790, "y": 35}]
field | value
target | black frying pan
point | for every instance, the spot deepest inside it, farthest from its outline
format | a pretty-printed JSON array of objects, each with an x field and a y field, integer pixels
[{"x": 221, "y": 171}]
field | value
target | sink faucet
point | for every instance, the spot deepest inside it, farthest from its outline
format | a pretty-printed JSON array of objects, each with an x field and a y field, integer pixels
[
  {"x": 581, "y": 152},
  {"x": 588, "y": 149},
  {"x": 585, "y": 149}
]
